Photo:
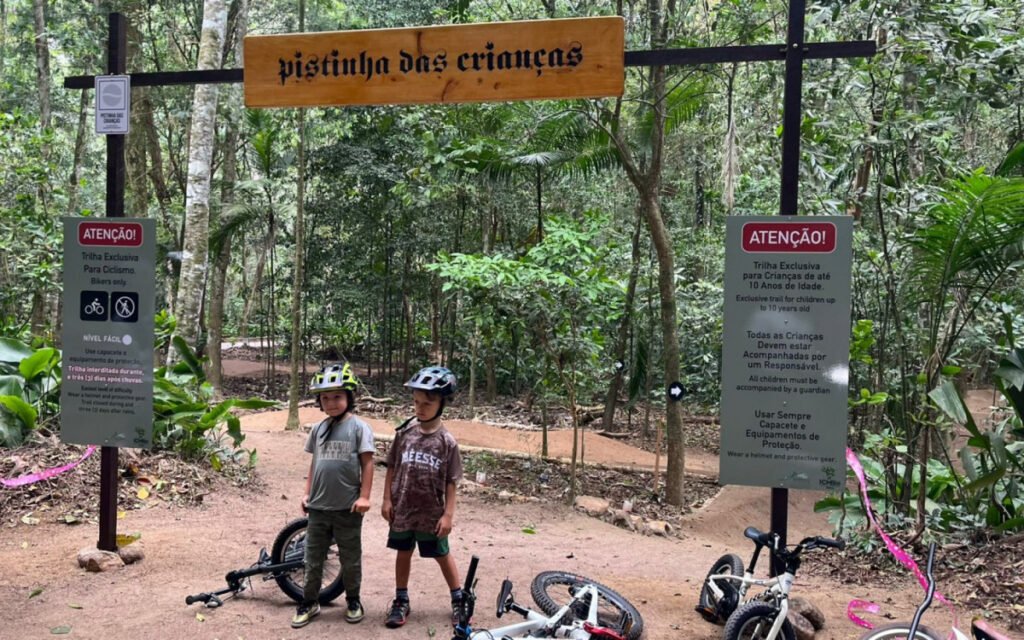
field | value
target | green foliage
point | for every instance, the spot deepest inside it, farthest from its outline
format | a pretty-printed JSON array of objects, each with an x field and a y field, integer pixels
[
  {"x": 558, "y": 291},
  {"x": 188, "y": 421},
  {"x": 29, "y": 381}
]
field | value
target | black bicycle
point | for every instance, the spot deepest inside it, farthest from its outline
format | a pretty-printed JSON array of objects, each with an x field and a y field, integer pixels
[{"x": 284, "y": 564}]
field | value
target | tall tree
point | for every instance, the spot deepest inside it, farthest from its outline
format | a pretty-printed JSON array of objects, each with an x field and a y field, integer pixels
[
  {"x": 43, "y": 89},
  {"x": 297, "y": 358},
  {"x": 220, "y": 246},
  {"x": 645, "y": 173},
  {"x": 194, "y": 262}
]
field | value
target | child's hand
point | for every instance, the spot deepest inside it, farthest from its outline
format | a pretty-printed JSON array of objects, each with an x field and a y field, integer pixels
[
  {"x": 305, "y": 506},
  {"x": 361, "y": 505},
  {"x": 387, "y": 512},
  {"x": 444, "y": 526}
]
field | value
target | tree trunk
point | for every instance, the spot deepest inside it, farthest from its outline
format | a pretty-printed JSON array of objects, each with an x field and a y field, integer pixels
[
  {"x": 474, "y": 340},
  {"x": 675, "y": 465},
  {"x": 862, "y": 178},
  {"x": 612, "y": 399},
  {"x": 79, "y": 153},
  {"x": 136, "y": 180},
  {"x": 38, "y": 315},
  {"x": 490, "y": 366},
  {"x": 648, "y": 185},
  {"x": 192, "y": 282},
  {"x": 218, "y": 284},
  {"x": 297, "y": 366},
  {"x": 42, "y": 64}
]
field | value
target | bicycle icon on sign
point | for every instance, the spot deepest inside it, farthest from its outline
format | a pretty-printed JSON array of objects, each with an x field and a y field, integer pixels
[{"x": 93, "y": 306}]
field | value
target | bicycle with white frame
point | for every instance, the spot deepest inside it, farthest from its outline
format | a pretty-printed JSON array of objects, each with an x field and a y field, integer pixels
[
  {"x": 725, "y": 594},
  {"x": 573, "y": 607}
]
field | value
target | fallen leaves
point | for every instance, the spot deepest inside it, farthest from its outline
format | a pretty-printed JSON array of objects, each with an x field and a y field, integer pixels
[{"x": 125, "y": 539}]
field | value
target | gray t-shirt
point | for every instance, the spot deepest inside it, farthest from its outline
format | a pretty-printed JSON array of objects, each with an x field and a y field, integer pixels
[
  {"x": 423, "y": 465},
  {"x": 337, "y": 474}
]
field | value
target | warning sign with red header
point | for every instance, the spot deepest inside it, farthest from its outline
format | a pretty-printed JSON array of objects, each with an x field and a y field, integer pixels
[
  {"x": 109, "y": 275},
  {"x": 110, "y": 234},
  {"x": 783, "y": 237},
  {"x": 785, "y": 353}
]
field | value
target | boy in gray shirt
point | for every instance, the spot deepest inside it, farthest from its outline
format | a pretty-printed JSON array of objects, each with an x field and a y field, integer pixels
[{"x": 337, "y": 490}]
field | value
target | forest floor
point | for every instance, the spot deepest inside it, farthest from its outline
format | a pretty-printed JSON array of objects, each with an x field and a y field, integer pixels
[{"x": 196, "y": 526}]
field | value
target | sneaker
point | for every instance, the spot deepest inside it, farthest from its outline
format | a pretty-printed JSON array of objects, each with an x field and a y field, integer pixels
[
  {"x": 354, "y": 612},
  {"x": 304, "y": 614},
  {"x": 399, "y": 612}
]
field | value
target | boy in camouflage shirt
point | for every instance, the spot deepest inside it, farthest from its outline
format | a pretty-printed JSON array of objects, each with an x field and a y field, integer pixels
[{"x": 424, "y": 466}]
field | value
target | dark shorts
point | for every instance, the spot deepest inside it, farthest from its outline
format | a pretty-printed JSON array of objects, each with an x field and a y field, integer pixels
[{"x": 430, "y": 545}]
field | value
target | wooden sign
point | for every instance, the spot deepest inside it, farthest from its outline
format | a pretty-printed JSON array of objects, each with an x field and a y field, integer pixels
[{"x": 572, "y": 58}]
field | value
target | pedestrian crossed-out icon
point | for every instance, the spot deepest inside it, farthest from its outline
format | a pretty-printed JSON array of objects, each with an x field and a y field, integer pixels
[{"x": 124, "y": 307}]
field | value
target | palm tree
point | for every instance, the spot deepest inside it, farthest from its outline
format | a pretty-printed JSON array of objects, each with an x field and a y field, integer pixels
[{"x": 972, "y": 241}]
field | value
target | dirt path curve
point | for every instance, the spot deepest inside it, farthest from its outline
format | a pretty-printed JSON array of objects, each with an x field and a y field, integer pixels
[
  {"x": 599, "y": 449},
  {"x": 188, "y": 551}
]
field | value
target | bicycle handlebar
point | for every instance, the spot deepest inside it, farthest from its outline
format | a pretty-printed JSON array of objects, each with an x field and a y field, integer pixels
[
  {"x": 471, "y": 574},
  {"x": 819, "y": 541}
]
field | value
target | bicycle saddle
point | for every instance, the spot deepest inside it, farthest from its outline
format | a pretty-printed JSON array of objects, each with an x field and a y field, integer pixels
[
  {"x": 757, "y": 536},
  {"x": 982, "y": 631}
]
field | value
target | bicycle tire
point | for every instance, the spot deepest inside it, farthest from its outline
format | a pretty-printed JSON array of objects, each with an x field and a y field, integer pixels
[
  {"x": 291, "y": 544},
  {"x": 899, "y": 631},
  {"x": 610, "y": 609},
  {"x": 753, "y": 620},
  {"x": 729, "y": 563}
]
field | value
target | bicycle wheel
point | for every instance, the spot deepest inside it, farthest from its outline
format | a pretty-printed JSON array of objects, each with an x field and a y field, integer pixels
[
  {"x": 899, "y": 631},
  {"x": 722, "y": 608},
  {"x": 753, "y": 621},
  {"x": 290, "y": 545},
  {"x": 552, "y": 590}
]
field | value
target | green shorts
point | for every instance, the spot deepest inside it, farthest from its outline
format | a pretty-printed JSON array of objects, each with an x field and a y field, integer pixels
[{"x": 430, "y": 545}]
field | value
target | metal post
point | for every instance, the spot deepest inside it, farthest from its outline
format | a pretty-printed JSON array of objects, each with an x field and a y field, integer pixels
[
  {"x": 116, "y": 60},
  {"x": 791, "y": 116},
  {"x": 788, "y": 197}
]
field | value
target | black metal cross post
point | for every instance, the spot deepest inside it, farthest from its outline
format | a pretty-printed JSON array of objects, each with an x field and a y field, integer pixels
[{"x": 794, "y": 51}]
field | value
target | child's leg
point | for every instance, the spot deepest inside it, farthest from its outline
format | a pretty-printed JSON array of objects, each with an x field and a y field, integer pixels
[
  {"x": 348, "y": 533},
  {"x": 318, "y": 540},
  {"x": 450, "y": 571},
  {"x": 403, "y": 565}
]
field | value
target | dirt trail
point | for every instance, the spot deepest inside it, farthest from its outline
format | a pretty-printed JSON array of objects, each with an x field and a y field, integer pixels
[
  {"x": 188, "y": 551},
  {"x": 599, "y": 449}
]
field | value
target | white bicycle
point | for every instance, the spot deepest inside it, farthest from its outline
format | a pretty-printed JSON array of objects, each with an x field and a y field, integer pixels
[
  {"x": 574, "y": 607},
  {"x": 724, "y": 595}
]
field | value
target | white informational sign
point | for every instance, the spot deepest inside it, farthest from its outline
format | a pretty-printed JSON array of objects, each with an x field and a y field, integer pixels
[
  {"x": 107, "y": 391},
  {"x": 113, "y": 104},
  {"x": 786, "y": 351}
]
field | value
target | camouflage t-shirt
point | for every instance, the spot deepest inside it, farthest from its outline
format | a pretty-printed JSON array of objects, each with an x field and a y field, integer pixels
[{"x": 422, "y": 466}]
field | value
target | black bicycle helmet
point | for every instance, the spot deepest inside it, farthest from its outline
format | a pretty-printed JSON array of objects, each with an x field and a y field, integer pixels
[{"x": 438, "y": 380}]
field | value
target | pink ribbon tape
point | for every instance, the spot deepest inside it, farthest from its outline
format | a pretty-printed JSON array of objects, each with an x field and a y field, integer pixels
[
  {"x": 861, "y": 605},
  {"x": 899, "y": 554},
  {"x": 29, "y": 478}
]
